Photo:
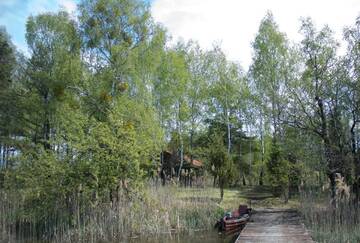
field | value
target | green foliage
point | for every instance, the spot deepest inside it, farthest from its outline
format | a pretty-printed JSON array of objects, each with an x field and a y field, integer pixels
[
  {"x": 8, "y": 98},
  {"x": 278, "y": 169},
  {"x": 54, "y": 70},
  {"x": 220, "y": 162},
  {"x": 7, "y": 59},
  {"x": 42, "y": 180},
  {"x": 270, "y": 70}
]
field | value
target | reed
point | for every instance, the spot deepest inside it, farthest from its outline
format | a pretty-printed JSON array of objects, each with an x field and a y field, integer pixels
[
  {"x": 327, "y": 224},
  {"x": 158, "y": 211}
]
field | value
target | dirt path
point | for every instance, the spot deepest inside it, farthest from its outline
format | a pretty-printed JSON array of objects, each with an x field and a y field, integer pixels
[{"x": 274, "y": 225}]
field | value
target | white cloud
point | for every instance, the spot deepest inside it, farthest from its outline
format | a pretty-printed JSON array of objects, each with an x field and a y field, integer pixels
[
  {"x": 39, "y": 6},
  {"x": 68, "y": 5},
  {"x": 235, "y": 22}
]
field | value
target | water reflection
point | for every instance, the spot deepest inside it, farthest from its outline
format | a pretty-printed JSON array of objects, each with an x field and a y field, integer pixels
[{"x": 195, "y": 237}]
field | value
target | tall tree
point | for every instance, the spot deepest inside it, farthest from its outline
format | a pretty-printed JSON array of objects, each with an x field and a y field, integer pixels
[
  {"x": 114, "y": 32},
  {"x": 197, "y": 63},
  {"x": 316, "y": 97},
  {"x": 351, "y": 77},
  {"x": 54, "y": 67},
  {"x": 269, "y": 70},
  {"x": 269, "y": 73},
  {"x": 7, "y": 99},
  {"x": 174, "y": 78},
  {"x": 225, "y": 86}
]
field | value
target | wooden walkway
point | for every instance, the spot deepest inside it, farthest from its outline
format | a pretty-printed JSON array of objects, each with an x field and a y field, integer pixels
[{"x": 274, "y": 226}]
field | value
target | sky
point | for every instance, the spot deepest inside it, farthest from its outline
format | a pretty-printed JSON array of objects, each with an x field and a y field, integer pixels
[
  {"x": 233, "y": 23},
  {"x": 14, "y": 13}
]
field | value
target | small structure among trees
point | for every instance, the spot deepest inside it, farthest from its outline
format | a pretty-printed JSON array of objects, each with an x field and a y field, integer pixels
[{"x": 189, "y": 171}]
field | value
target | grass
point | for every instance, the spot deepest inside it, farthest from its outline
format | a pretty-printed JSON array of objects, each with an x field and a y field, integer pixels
[
  {"x": 256, "y": 196},
  {"x": 231, "y": 200}
]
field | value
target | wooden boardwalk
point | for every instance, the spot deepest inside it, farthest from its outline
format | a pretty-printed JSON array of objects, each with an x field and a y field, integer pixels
[{"x": 274, "y": 226}]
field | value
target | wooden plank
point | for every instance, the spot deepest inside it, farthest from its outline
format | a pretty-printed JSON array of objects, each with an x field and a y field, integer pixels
[{"x": 274, "y": 226}]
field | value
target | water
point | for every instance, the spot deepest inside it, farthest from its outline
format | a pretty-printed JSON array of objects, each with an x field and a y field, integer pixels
[{"x": 195, "y": 237}]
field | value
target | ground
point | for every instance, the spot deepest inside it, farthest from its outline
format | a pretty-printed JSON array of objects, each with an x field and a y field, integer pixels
[{"x": 254, "y": 196}]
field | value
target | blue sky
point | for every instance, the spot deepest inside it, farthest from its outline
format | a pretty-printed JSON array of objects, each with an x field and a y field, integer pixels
[
  {"x": 233, "y": 23},
  {"x": 14, "y": 13}
]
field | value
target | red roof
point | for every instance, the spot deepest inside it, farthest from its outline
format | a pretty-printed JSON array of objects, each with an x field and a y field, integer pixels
[{"x": 194, "y": 162}]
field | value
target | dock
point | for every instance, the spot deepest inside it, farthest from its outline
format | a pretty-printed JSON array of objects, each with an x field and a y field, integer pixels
[{"x": 274, "y": 225}]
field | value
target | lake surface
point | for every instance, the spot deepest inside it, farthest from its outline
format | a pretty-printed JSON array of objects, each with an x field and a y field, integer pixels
[{"x": 195, "y": 237}]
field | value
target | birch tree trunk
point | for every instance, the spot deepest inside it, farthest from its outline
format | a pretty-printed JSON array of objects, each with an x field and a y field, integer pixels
[{"x": 228, "y": 125}]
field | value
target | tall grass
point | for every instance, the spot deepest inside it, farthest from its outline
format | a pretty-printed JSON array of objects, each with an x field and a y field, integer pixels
[
  {"x": 327, "y": 224},
  {"x": 159, "y": 210}
]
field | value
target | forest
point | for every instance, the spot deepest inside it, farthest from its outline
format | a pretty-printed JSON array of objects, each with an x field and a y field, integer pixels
[{"x": 87, "y": 113}]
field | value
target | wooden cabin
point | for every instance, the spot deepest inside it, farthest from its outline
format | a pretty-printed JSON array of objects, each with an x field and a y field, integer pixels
[{"x": 191, "y": 170}]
